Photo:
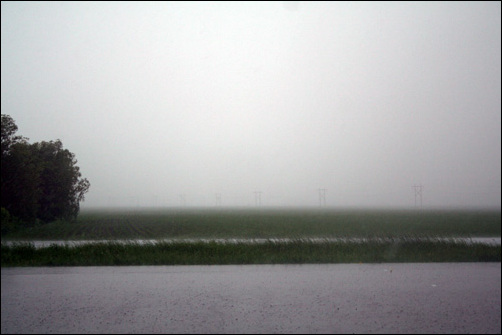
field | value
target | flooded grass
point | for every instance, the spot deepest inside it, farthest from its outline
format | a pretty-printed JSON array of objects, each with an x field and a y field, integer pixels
[{"x": 270, "y": 252}]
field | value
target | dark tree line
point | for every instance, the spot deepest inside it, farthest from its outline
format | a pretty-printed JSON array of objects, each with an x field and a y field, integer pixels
[{"x": 41, "y": 181}]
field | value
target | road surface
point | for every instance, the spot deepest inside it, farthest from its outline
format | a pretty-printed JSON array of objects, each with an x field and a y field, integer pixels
[{"x": 325, "y": 298}]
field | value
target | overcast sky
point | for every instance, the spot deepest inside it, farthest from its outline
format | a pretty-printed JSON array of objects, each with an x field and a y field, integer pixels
[{"x": 168, "y": 103}]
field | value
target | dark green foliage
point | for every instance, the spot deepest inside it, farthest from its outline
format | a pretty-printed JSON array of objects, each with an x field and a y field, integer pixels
[
  {"x": 9, "y": 224},
  {"x": 21, "y": 182},
  {"x": 61, "y": 186},
  {"x": 9, "y": 128},
  {"x": 40, "y": 181}
]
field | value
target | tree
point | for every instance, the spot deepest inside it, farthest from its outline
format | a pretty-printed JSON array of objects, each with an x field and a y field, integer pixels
[
  {"x": 21, "y": 182},
  {"x": 40, "y": 181},
  {"x": 9, "y": 128},
  {"x": 61, "y": 185},
  {"x": 19, "y": 176}
]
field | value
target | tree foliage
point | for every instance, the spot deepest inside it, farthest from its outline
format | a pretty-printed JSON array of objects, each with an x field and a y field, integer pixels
[
  {"x": 9, "y": 128},
  {"x": 39, "y": 181}
]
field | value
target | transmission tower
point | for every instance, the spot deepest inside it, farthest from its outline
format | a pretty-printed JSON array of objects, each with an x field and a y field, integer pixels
[
  {"x": 183, "y": 201},
  {"x": 322, "y": 197},
  {"x": 218, "y": 199},
  {"x": 418, "y": 195},
  {"x": 257, "y": 198}
]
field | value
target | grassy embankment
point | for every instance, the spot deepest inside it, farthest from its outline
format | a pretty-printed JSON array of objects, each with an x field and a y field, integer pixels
[{"x": 401, "y": 229}]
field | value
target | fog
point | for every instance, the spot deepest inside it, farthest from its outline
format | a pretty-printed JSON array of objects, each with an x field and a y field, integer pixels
[{"x": 204, "y": 104}]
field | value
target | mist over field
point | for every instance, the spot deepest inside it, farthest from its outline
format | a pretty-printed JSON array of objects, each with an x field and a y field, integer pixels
[{"x": 263, "y": 103}]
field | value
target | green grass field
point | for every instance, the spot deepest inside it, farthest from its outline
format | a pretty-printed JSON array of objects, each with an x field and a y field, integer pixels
[
  {"x": 273, "y": 223},
  {"x": 409, "y": 236}
]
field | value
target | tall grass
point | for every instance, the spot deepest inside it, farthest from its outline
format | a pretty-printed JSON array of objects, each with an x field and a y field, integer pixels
[{"x": 271, "y": 252}]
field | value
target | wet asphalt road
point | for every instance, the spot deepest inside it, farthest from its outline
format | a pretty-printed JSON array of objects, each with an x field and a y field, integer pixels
[{"x": 334, "y": 298}]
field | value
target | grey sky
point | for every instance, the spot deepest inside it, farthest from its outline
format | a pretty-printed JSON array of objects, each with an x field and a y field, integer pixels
[{"x": 363, "y": 99}]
